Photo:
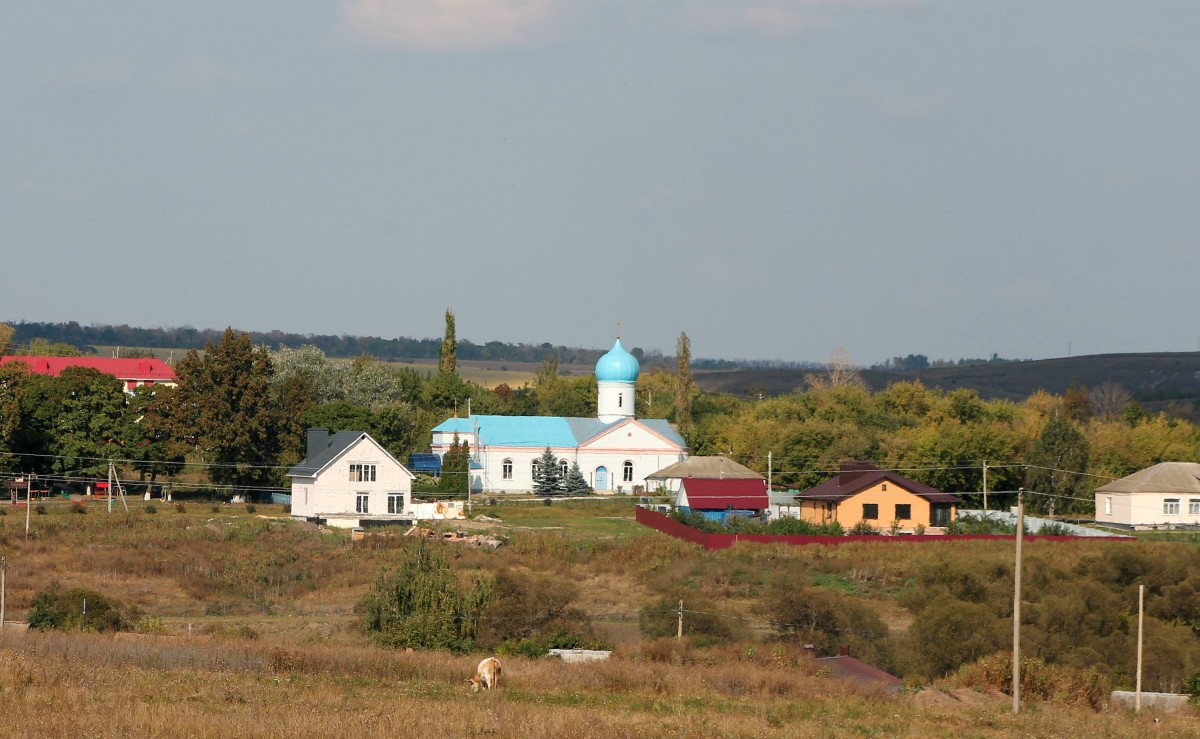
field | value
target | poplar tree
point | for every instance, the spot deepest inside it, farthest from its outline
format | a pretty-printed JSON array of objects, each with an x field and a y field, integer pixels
[
  {"x": 449, "y": 355},
  {"x": 683, "y": 384}
]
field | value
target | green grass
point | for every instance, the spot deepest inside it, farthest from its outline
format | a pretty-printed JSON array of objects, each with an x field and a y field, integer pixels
[{"x": 606, "y": 517}]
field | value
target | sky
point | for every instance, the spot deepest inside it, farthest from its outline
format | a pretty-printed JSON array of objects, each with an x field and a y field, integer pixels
[{"x": 779, "y": 179}]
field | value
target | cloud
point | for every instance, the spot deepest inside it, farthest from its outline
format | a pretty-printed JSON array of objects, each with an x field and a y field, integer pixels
[
  {"x": 779, "y": 18},
  {"x": 445, "y": 25},
  {"x": 203, "y": 74}
]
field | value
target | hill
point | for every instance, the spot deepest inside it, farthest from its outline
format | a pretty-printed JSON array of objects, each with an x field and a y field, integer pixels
[{"x": 1152, "y": 379}]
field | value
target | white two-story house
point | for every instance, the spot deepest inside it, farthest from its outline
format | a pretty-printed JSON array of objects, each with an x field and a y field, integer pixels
[{"x": 347, "y": 478}]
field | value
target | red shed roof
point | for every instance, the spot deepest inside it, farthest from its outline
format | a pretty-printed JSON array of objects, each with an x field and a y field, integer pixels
[
  {"x": 715, "y": 494},
  {"x": 122, "y": 369}
]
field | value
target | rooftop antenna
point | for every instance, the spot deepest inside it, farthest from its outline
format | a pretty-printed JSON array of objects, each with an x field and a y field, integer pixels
[{"x": 618, "y": 329}]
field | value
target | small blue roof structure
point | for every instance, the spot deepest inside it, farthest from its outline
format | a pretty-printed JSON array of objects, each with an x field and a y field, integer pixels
[
  {"x": 617, "y": 365},
  {"x": 427, "y": 463}
]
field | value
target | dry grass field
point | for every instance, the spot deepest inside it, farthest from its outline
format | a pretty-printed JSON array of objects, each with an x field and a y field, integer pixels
[{"x": 248, "y": 627}]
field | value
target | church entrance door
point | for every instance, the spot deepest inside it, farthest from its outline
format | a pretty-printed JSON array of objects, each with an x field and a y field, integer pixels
[{"x": 602, "y": 478}]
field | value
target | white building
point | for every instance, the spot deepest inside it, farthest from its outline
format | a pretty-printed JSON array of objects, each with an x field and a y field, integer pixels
[
  {"x": 615, "y": 451},
  {"x": 347, "y": 478},
  {"x": 1165, "y": 495}
]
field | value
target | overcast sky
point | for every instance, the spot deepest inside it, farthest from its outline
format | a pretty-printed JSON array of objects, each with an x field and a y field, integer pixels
[{"x": 777, "y": 178}]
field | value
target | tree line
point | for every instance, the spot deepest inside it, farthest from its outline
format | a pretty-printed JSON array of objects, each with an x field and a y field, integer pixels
[{"x": 240, "y": 413}]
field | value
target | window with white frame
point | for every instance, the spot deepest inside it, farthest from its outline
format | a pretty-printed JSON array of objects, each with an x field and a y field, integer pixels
[
  {"x": 361, "y": 503},
  {"x": 1171, "y": 507},
  {"x": 362, "y": 472},
  {"x": 506, "y": 469},
  {"x": 1108, "y": 505},
  {"x": 1194, "y": 507},
  {"x": 533, "y": 469},
  {"x": 563, "y": 468},
  {"x": 395, "y": 502},
  {"x": 628, "y": 471}
]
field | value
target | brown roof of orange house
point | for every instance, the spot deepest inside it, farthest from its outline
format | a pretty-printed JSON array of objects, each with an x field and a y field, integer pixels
[
  {"x": 707, "y": 493},
  {"x": 856, "y": 477}
]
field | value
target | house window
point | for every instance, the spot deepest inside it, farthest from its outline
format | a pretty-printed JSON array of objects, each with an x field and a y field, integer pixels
[
  {"x": 884, "y": 488},
  {"x": 620, "y": 400},
  {"x": 360, "y": 503},
  {"x": 903, "y": 511},
  {"x": 362, "y": 473},
  {"x": 1108, "y": 505},
  {"x": 1194, "y": 507},
  {"x": 563, "y": 467},
  {"x": 1171, "y": 507},
  {"x": 533, "y": 469},
  {"x": 395, "y": 503},
  {"x": 870, "y": 511},
  {"x": 506, "y": 469},
  {"x": 628, "y": 473}
]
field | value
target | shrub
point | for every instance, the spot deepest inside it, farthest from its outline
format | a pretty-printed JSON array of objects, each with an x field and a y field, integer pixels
[
  {"x": 287, "y": 508},
  {"x": 63, "y": 610},
  {"x": 78, "y": 506},
  {"x": 3, "y": 511},
  {"x": 525, "y": 606},
  {"x": 700, "y": 624},
  {"x": 862, "y": 528},
  {"x": 180, "y": 508},
  {"x": 1039, "y": 681},
  {"x": 150, "y": 508},
  {"x": 1054, "y": 528},
  {"x": 251, "y": 508},
  {"x": 216, "y": 509},
  {"x": 41, "y": 509}
]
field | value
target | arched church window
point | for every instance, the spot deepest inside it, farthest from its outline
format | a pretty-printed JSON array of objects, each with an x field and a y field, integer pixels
[
  {"x": 562, "y": 468},
  {"x": 620, "y": 399},
  {"x": 628, "y": 476},
  {"x": 506, "y": 469}
]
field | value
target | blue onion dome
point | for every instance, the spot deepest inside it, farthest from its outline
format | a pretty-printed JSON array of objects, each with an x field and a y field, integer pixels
[{"x": 617, "y": 366}]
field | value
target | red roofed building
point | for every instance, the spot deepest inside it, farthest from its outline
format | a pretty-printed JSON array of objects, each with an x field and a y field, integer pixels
[
  {"x": 863, "y": 492},
  {"x": 717, "y": 498},
  {"x": 132, "y": 373}
]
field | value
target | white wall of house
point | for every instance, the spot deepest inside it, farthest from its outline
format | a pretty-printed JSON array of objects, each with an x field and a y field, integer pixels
[
  {"x": 1148, "y": 509},
  {"x": 332, "y": 492}
]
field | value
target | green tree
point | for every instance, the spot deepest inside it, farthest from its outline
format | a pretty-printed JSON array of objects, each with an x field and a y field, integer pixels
[
  {"x": 525, "y": 606},
  {"x": 683, "y": 385},
  {"x": 575, "y": 483},
  {"x": 456, "y": 469},
  {"x": 1058, "y": 461},
  {"x": 826, "y": 619},
  {"x": 547, "y": 479},
  {"x": 225, "y": 396},
  {"x": 63, "y": 610},
  {"x": 448, "y": 361},
  {"x": 6, "y": 336},
  {"x": 420, "y": 604},
  {"x": 91, "y": 425}
]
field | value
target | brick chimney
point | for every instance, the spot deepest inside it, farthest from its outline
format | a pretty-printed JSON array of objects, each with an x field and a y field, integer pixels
[{"x": 318, "y": 441}]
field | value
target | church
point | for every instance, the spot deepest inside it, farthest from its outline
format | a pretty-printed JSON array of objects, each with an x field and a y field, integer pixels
[{"x": 615, "y": 451}]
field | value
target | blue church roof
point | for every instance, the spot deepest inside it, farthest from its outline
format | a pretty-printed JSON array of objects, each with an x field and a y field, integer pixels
[
  {"x": 542, "y": 431},
  {"x": 617, "y": 365}
]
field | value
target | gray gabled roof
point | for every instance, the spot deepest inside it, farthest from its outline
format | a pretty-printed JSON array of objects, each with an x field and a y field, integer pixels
[
  {"x": 338, "y": 443},
  {"x": 706, "y": 467},
  {"x": 1164, "y": 477}
]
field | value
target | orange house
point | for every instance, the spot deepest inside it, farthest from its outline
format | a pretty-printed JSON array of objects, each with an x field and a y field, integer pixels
[{"x": 863, "y": 492}]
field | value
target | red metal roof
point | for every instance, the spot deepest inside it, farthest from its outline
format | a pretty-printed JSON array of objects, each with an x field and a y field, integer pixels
[
  {"x": 123, "y": 369},
  {"x": 707, "y": 493},
  {"x": 852, "y": 668}
]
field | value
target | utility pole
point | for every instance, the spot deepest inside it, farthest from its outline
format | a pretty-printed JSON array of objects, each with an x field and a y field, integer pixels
[
  {"x": 1137, "y": 696},
  {"x": 110, "y": 484},
  {"x": 1017, "y": 605},
  {"x": 3, "y": 587},
  {"x": 769, "y": 470},
  {"x": 28, "y": 501},
  {"x": 679, "y": 624},
  {"x": 985, "y": 484}
]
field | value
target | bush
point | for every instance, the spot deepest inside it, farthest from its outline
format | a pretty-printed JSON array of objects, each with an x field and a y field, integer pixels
[
  {"x": 78, "y": 506},
  {"x": 150, "y": 508},
  {"x": 41, "y": 509},
  {"x": 700, "y": 624},
  {"x": 251, "y": 508},
  {"x": 287, "y": 509},
  {"x": 524, "y": 607},
  {"x": 1054, "y": 528},
  {"x": 216, "y": 509},
  {"x": 63, "y": 610},
  {"x": 862, "y": 528},
  {"x": 1039, "y": 681},
  {"x": 180, "y": 508}
]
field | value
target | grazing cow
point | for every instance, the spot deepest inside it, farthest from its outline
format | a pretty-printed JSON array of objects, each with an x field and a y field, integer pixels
[{"x": 487, "y": 675}]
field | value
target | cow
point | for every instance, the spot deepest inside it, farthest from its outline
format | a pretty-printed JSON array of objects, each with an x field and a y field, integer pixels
[{"x": 487, "y": 675}]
